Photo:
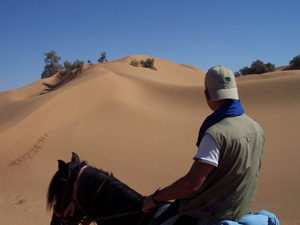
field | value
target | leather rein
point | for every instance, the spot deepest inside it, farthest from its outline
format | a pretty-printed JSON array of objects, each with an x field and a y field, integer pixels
[{"x": 70, "y": 210}]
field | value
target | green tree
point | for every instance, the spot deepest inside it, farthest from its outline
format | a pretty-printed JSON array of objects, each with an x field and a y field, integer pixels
[
  {"x": 295, "y": 62},
  {"x": 67, "y": 65},
  {"x": 102, "y": 59},
  {"x": 237, "y": 74},
  {"x": 77, "y": 65},
  {"x": 257, "y": 67},
  {"x": 244, "y": 70},
  {"x": 52, "y": 64}
]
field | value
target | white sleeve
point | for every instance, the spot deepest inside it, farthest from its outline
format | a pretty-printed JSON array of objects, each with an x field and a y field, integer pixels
[{"x": 208, "y": 151}]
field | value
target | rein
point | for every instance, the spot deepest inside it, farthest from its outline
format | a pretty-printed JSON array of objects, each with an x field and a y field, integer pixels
[
  {"x": 72, "y": 206},
  {"x": 88, "y": 220}
]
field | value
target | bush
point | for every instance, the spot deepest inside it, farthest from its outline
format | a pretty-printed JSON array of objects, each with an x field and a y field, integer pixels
[
  {"x": 77, "y": 65},
  {"x": 257, "y": 67},
  {"x": 71, "y": 70},
  {"x": 102, "y": 59},
  {"x": 149, "y": 63},
  {"x": 52, "y": 64},
  {"x": 295, "y": 62},
  {"x": 134, "y": 63}
]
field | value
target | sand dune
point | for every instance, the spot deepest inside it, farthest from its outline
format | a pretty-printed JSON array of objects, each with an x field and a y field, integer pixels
[{"x": 142, "y": 125}]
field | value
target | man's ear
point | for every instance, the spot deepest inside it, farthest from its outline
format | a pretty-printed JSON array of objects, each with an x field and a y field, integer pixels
[
  {"x": 63, "y": 167},
  {"x": 206, "y": 94},
  {"x": 75, "y": 158}
]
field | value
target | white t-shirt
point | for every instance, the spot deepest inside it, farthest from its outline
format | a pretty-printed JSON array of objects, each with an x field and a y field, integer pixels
[{"x": 208, "y": 151}]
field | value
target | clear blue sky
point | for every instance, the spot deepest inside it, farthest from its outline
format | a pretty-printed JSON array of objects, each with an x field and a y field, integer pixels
[{"x": 201, "y": 33}]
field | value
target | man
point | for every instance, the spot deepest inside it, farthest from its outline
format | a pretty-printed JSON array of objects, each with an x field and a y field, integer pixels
[{"x": 221, "y": 183}]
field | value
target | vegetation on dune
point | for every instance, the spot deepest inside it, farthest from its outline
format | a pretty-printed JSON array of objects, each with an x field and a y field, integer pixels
[
  {"x": 67, "y": 71},
  {"x": 257, "y": 67},
  {"x": 102, "y": 58},
  {"x": 295, "y": 63},
  {"x": 149, "y": 63},
  {"x": 134, "y": 62},
  {"x": 52, "y": 64},
  {"x": 71, "y": 70}
]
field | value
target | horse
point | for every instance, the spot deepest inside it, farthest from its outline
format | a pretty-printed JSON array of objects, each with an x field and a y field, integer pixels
[{"x": 81, "y": 194}]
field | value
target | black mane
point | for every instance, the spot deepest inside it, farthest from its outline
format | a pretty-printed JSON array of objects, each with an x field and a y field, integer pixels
[
  {"x": 116, "y": 195},
  {"x": 53, "y": 190}
]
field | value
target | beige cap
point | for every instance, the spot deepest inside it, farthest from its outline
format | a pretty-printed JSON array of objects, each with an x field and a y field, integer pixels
[{"x": 220, "y": 83}]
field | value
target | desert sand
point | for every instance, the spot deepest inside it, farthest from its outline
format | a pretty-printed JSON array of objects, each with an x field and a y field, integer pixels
[{"x": 142, "y": 125}]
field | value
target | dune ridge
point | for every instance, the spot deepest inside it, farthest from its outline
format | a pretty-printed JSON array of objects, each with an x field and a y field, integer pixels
[{"x": 142, "y": 125}]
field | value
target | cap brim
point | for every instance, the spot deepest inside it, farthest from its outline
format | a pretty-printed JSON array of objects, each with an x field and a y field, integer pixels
[{"x": 221, "y": 94}]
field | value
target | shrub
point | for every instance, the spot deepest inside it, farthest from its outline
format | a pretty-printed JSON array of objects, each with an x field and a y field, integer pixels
[
  {"x": 52, "y": 64},
  {"x": 295, "y": 62},
  {"x": 71, "y": 70},
  {"x": 102, "y": 59},
  {"x": 134, "y": 63},
  {"x": 149, "y": 63}
]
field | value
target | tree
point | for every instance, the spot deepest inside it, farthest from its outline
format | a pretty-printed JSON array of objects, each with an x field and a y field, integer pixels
[
  {"x": 67, "y": 65},
  {"x": 257, "y": 67},
  {"x": 237, "y": 74},
  {"x": 295, "y": 62},
  {"x": 77, "y": 65},
  {"x": 52, "y": 64},
  {"x": 102, "y": 59}
]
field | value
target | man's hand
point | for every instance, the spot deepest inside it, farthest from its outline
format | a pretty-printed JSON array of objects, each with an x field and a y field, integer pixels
[{"x": 148, "y": 204}]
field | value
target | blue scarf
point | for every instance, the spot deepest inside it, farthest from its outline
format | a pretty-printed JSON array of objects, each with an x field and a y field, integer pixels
[{"x": 230, "y": 109}]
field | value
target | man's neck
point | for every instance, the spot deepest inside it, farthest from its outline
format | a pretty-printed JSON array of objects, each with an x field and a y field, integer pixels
[{"x": 218, "y": 104}]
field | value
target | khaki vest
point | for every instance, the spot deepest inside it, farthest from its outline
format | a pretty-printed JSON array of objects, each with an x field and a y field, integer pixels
[{"x": 230, "y": 188}]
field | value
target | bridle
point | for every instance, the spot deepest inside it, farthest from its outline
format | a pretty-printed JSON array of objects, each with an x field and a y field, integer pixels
[{"x": 70, "y": 210}]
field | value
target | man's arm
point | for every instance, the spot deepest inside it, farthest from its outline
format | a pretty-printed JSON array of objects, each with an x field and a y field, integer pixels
[{"x": 183, "y": 187}]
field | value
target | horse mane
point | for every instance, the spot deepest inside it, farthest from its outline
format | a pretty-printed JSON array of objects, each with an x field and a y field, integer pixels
[
  {"x": 55, "y": 183},
  {"x": 116, "y": 195}
]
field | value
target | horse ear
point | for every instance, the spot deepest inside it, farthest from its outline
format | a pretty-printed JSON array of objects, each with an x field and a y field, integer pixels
[
  {"x": 75, "y": 157},
  {"x": 63, "y": 167}
]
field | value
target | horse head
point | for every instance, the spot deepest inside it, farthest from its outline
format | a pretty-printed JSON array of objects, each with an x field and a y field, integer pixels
[
  {"x": 80, "y": 194},
  {"x": 59, "y": 197}
]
